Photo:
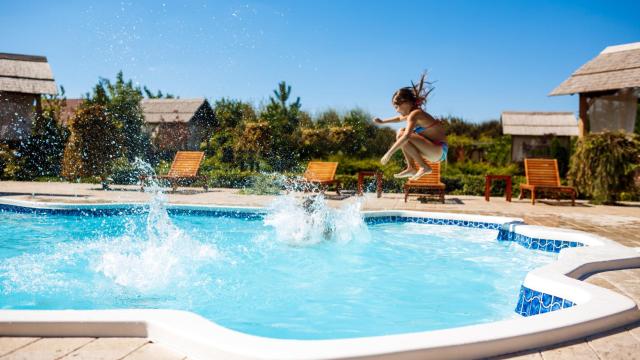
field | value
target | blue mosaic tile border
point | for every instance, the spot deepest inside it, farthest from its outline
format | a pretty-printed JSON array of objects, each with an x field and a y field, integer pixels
[
  {"x": 74, "y": 212},
  {"x": 126, "y": 210},
  {"x": 228, "y": 213},
  {"x": 532, "y": 302},
  {"x": 536, "y": 243},
  {"x": 431, "y": 221}
]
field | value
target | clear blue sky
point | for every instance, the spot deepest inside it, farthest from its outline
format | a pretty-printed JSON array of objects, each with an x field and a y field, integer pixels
[{"x": 487, "y": 56}]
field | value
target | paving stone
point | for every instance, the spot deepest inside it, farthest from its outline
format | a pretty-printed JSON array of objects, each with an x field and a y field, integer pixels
[
  {"x": 48, "y": 349},
  {"x": 616, "y": 346},
  {"x": 10, "y": 344},
  {"x": 151, "y": 351},
  {"x": 580, "y": 350},
  {"x": 107, "y": 349},
  {"x": 602, "y": 282},
  {"x": 634, "y": 330}
]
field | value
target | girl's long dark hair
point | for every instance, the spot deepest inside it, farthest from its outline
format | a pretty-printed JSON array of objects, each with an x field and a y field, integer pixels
[{"x": 415, "y": 94}]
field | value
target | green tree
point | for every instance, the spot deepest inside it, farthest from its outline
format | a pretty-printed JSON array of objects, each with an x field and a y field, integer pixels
[
  {"x": 121, "y": 100},
  {"x": 363, "y": 131},
  {"x": 458, "y": 126},
  {"x": 328, "y": 118},
  {"x": 253, "y": 145},
  {"x": 157, "y": 95},
  {"x": 94, "y": 143},
  {"x": 44, "y": 149},
  {"x": 283, "y": 119},
  {"x": 230, "y": 117}
]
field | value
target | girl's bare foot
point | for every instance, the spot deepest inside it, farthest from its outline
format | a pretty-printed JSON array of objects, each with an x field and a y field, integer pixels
[
  {"x": 408, "y": 172},
  {"x": 421, "y": 172}
]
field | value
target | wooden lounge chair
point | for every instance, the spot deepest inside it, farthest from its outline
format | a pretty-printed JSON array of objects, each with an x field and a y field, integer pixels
[
  {"x": 542, "y": 175},
  {"x": 185, "y": 167},
  {"x": 430, "y": 182},
  {"x": 321, "y": 174}
]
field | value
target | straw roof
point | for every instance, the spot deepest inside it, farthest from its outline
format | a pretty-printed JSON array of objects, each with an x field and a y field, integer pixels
[
  {"x": 26, "y": 74},
  {"x": 616, "y": 67},
  {"x": 539, "y": 123},
  {"x": 171, "y": 110}
]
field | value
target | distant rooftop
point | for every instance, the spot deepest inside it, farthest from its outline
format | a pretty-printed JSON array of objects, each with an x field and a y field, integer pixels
[
  {"x": 28, "y": 74},
  {"x": 616, "y": 67},
  {"x": 170, "y": 110},
  {"x": 535, "y": 123}
]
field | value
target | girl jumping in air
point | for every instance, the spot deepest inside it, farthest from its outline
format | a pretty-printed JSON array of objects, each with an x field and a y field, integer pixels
[{"x": 423, "y": 137}]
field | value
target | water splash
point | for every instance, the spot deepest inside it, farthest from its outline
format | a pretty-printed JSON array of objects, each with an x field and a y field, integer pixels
[
  {"x": 159, "y": 255},
  {"x": 311, "y": 221}
]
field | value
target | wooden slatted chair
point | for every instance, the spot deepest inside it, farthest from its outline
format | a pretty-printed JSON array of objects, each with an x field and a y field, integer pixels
[
  {"x": 185, "y": 167},
  {"x": 542, "y": 174},
  {"x": 321, "y": 174},
  {"x": 430, "y": 182}
]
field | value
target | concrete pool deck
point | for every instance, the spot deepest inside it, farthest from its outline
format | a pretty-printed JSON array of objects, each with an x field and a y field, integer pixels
[{"x": 618, "y": 223}]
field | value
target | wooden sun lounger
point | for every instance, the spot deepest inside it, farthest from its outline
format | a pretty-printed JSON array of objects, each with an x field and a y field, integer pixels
[
  {"x": 322, "y": 174},
  {"x": 430, "y": 182},
  {"x": 543, "y": 175},
  {"x": 185, "y": 167}
]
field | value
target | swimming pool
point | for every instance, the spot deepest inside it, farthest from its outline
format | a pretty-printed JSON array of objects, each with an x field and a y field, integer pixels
[{"x": 399, "y": 283}]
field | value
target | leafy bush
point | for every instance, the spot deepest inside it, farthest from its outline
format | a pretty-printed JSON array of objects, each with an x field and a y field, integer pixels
[
  {"x": 229, "y": 178},
  {"x": 603, "y": 165},
  {"x": 263, "y": 184},
  {"x": 478, "y": 168},
  {"x": 474, "y": 185},
  {"x": 42, "y": 152},
  {"x": 125, "y": 173},
  {"x": 498, "y": 152},
  {"x": 8, "y": 162},
  {"x": 93, "y": 145}
]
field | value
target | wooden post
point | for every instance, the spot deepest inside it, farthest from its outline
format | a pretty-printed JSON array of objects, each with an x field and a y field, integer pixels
[{"x": 583, "y": 122}]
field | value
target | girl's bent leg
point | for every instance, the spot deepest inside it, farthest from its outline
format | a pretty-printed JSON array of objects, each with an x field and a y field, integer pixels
[
  {"x": 410, "y": 170},
  {"x": 414, "y": 154},
  {"x": 429, "y": 150}
]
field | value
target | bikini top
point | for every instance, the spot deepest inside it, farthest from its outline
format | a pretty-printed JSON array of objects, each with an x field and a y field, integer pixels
[{"x": 419, "y": 129}]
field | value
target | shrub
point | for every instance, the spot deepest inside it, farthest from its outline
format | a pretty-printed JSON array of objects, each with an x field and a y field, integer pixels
[
  {"x": 93, "y": 145},
  {"x": 229, "y": 178},
  {"x": 603, "y": 165},
  {"x": 498, "y": 151},
  {"x": 263, "y": 184},
  {"x": 8, "y": 162},
  {"x": 124, "y": 173},
  {"x": 42, "y": 152}
]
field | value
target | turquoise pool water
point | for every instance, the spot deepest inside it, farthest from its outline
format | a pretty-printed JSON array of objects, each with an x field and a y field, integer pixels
[{"x": 264, "y": 276}]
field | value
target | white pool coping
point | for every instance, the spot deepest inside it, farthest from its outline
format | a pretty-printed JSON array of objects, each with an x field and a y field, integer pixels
[{"x": 597, "y": 310}]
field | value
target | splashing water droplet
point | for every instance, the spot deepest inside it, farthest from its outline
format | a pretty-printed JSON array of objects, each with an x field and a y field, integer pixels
[
  {"x": 162, "y": 255},
  {"x": 313, "y": 221}
]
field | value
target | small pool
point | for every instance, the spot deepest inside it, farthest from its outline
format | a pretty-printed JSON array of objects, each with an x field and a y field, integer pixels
[
  {"x": 286, "y": 273},
  {"x": 302, "y": 281}
]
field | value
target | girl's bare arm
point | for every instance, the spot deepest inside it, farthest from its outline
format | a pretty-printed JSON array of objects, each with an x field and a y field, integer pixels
[{"x": 389, "y": 120}]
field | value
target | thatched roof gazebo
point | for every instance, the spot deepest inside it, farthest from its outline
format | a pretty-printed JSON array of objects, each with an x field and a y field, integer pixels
[
  {"x": 23, "y": 78},
  {"x": 178, "y": 124},
  {"x": 532, "y": 132},
  {"x": 609, "y": 87}
]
